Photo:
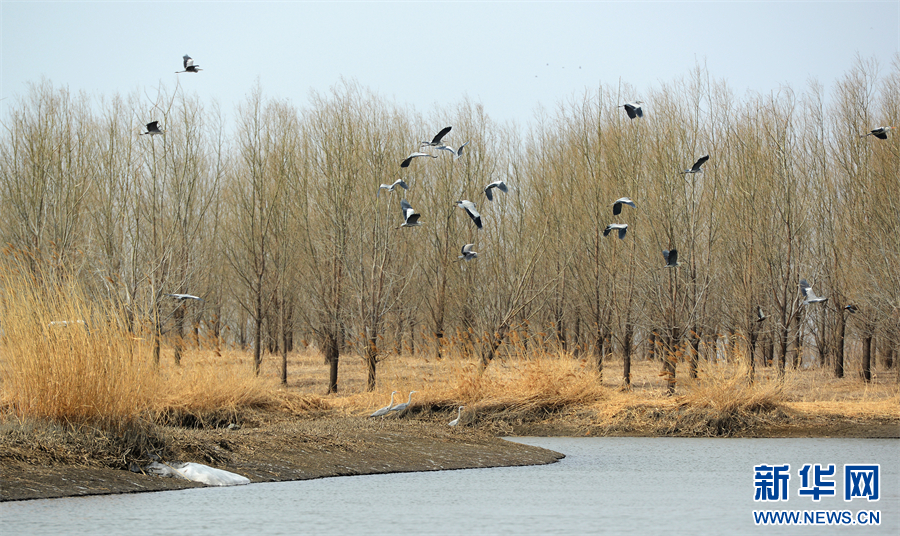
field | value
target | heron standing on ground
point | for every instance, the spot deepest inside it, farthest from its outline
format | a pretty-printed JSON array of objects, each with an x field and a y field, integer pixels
[
  {"x": 384, "y": 411},
  {"x": 455, "y": 421},
  {"x": 400, "y": 407}
]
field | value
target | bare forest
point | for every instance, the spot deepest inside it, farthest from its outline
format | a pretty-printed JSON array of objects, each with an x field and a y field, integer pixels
[{"x": 271, "y": 214}]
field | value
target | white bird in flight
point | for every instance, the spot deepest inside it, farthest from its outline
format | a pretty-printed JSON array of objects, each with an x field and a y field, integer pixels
[
  {"x": 467, "y": 252},
  {"x": 498, "y": 184},
  {"x": 384, "y": 411},
  {"x": 633, "y": 109},
  {"x": 390, "y": 187},
  {"x": 183, "y": 297},
  {"x": 696, "y": 167},
  {"x": 189, "y": 66},
  {"x": 806, "y": 289},
  {"x": 410, "y": 217},
  {"x": 455, "y": 152},
  {"x": 409, "y": 158},
  {"x": 437, "y": 139},
  {"x": 455, "y": 421},
  {"x": 617, "y": 206},
  {"x": 152, "y": 128},
  {"x": 621, "y": 227},
  {"x": 469, "y": 207}
]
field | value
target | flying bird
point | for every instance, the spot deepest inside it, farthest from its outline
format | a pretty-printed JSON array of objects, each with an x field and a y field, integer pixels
[
  {"x": 390, "y": 187},
  {"x": 880, "y": 133},
  {"x": 152, "y": 128},
  {"x": 469, "y": 207},
  {"x": 409, "y": 158},
  {"x": 467, "y": 252},
  {"x": 696, "y": 167},
  {"x": 806, "y": 288},
  {"x": 437, "y": 139},
  {"x": 671, "y": 257},
  {"x": 189, "y": 66},
  {"x": 410, "y": 218},
  {"x": 455, "y": 421},
  {"x": 760, "y": 315},
  {"x": 498, "y": 184},
  {"x": 183, "y": 297},
  {"x": 633, "y": 109},
  {"x": 621, "y": 227},
  {"x": 617, "y": 206},
  {"x": 851, "y": 308},
  {"x": 455, "y": 152},
  {"x": 400, "y": 407},
  {"x": 384, "y": 411}
]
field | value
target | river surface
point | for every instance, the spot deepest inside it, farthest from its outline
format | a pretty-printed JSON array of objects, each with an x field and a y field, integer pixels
[{"x": 604, "y": 485}]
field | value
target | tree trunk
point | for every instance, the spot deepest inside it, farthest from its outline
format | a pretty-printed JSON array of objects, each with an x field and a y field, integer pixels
[
  {"x": 839, "y": 354},
  {"x": 332, "y": 353},
  {"x": 179, "y": 332},
  {"x": 371, "y": 358},
  {"x": 867, "y": 358},
  {"x": 627, "y": 343}
]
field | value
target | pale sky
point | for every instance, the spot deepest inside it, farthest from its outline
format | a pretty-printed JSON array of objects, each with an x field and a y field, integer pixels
[{"x": 508, "y": 56}]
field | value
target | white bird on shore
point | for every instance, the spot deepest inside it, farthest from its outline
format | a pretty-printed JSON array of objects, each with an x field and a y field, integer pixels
[
  {"x": 498, "y": 184},
  {"x": 189, "y": 66},
  {"x": 183, "y": 297},
  {"x": 400, "y": 407},
  {"x": 390, "y": 187},
  {"x": 152, "y": 128},
  {"x": 384, "y": 411},
  {"x": 806, "y": 288},
  {"x": 621, "y": 227},
  {"x": 617, "y": 206},
  {"x": 469, "y": 207},
  {"x": 455, "y": 421},
  {"x": 437, "y": 139},
  {"x": 633, "y": 109},
  {"x": 467, "y": 252},
  {"x": 455, "y": 152},
  {"x": 409, "y": 158},
  {"x": 410, "y": 217}
]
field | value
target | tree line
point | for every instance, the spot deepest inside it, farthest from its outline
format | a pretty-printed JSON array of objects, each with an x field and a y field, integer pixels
[{"x": 273, "y": 219}]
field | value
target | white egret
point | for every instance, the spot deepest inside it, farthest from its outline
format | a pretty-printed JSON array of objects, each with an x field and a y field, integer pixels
[
  {"x": 455, "y": 152},
  {"x": 633, "y": 109},
  {"x": 437, "y": 139},
  {"x": 455, "y": 421},
  {"x": 617, "y": 206},
  {"x": 384, "y": 411},
  {"x": 189, "y": 66},
  {"x": 152, "y": 128},
  {"x": 410, "y": 217},
  {"x": 696, "y": 167},
  {"x": 467, "y": 252},
  {"x": 390, "y": 187},
  {"x": 469, "y": 207},
  {"x": 621, "y": 227},
  {"x": 671, "y": 257},
  {"x": 806, "y": 288},
  {"x": 880, "y": 133},
  {"x": 409, "y": 158},
  {"x": 498, "y": 184},
  {"x": 400, "y": 407}
]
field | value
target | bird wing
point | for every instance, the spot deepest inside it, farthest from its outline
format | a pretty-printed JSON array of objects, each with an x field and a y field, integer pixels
[
  {"x": 187, "y": 61},
  {"x": 487, "y": 192},
  {"x": 673, "y": 257},
  {"x": 448, "y": 149},
  {"x": 152, "y": 125},
  {"x": 881, "y": 135},
  {"x": 401, "y": 183},
  {"x": 607, "y": 230},
  {"x": 700, "y": 161},
  {"x": 412, "y": 218},
  {"x": 617, "y": 208},
  {"x": 466, "y": 249},
  {"x": 639, "y": 112},
  {"x": 437, "y": 139},
  {"x": 666, "y": 255},
  {"x": 804, "y": 287},
  {"x": 460, "y": 150},
  {"x": 502, "y": 186},
  {"x": 630, "y": 110},
  {"x": 622, "y": 231}
]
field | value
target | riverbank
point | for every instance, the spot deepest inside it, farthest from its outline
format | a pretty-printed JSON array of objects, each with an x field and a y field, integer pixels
[{"x": 273, "y": 446}]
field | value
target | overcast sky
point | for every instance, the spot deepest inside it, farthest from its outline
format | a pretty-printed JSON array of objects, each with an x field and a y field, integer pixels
[{"x": 509, "y": 56}]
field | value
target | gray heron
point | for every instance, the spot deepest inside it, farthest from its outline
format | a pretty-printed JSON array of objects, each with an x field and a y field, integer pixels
[
  {"x": 384, "y": 411},
  {"x": 455, "y": 421},
  {"x": 467, "y": 252},
  {"x": 390, "y": 187},
  {"x": 469, "y": 207},
  {"x": 671, "y": 257},
  {"x": 880, "y": 133},
  {"x": 400, "y": 407},
  {"x": 760, "y": 315},
  {"x": 437, "y": 139},
  {"x": 696, "y": 167},
  {"x": 633, "y": 109},
  {"x": 152, "y": 128},
  {"x": 182, "y": 297},
  {"x": 189, "y": 66},
  {"x": 806, "y": 289},
  {"x": 617, "y": 206},
  {"x": 409, "y": 158},
  {"x": 621, "y": 227},
  {"x": 410, "y": 217},
  {"x": 498, "y": 184},
  {"x": 455, "y": 152}
]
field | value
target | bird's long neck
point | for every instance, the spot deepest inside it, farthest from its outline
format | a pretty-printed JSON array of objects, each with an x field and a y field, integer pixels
[
  {"x": 410, "y": 398},
  {"x": 392, "y": 400}
]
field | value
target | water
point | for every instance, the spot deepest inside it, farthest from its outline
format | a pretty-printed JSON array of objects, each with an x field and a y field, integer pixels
[{"x": 604, "y": 485}]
